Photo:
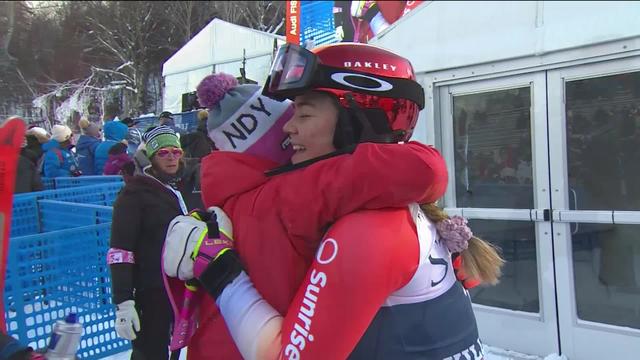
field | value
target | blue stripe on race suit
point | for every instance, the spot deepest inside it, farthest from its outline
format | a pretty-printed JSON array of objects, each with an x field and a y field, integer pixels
[{"x": 437, "y": 329}]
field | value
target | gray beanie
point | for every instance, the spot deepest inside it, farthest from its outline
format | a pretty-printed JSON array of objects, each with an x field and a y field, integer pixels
[
  {"x": 230, "y": 103},
  {"x": 241, "y": 119}
]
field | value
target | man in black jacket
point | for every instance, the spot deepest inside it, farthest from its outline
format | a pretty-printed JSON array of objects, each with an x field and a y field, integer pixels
[{"x": 28, "y": 175}]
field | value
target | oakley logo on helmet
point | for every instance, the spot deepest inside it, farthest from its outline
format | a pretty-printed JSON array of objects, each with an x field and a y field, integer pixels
[
  {"x": 362, "y": 82},
  {"x": 369, "y": 65}
]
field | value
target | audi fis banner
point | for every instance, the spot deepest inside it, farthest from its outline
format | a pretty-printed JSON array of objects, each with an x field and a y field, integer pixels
[{"x": 311, "y": 23}]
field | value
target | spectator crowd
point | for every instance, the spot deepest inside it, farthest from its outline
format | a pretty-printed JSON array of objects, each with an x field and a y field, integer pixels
[{"x": 115, "y": 147}]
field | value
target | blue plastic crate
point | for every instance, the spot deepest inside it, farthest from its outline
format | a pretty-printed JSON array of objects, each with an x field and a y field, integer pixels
[
  {"x": 67, "y": 182},
  {"x": 58, "y": 272},
  {"x": 317, "y": 23}
]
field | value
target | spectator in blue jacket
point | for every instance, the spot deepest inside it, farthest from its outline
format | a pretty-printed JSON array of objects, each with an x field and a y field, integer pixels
[
  {"x": 87, "y": 145},
  {"x": 58, "y": 159},
  {"x": 114, "y": 132}
]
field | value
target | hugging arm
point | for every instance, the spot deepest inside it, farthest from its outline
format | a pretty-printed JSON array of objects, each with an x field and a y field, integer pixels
[
  {"x": 340, "y": 295},
  {"x": 374, "y": 176}
]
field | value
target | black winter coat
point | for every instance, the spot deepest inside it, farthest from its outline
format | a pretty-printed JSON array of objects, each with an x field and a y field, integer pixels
[
  {"x": 141, "y": 215},
  {"x": 27, "y": 176},
  {"x": 196, "y": 144}
]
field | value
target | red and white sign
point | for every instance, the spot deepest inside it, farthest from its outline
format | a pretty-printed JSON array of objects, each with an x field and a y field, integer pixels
[{"x": 293, "y": 22}]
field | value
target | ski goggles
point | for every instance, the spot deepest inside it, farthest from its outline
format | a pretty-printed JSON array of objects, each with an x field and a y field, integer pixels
[
  {"x": 164, "y": 152},
  {"x": 296, "y": 70}
]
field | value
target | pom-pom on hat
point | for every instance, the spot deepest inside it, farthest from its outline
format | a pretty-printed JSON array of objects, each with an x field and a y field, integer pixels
[
  {"x": 213, "y": 88},
  {"x": 242, "y": 120},
  {"x": 89, "y": 128}
]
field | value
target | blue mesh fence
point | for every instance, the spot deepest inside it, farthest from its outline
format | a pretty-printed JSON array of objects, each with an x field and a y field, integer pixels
[
  {"x": 26, "y": 216},
  {"x": 25, "y": 219},
  {"x": 317, "y": 23},
  {"x": 99, "y": 194},
  {"x": 48, "y": 183},
  {"x": 66, "y": 182},
  {"x": 59, "y": 215},
  {"x": 56, "y": 264},
  {"x": 54, "y": 273}
]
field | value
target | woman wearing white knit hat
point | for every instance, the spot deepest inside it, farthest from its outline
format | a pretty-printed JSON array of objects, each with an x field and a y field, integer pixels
[{"x": 58, "y": 159}]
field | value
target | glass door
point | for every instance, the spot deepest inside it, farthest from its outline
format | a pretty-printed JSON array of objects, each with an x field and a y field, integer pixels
[
  {"x": 496, "y": 133},
  {"x": 594, "y": 132}
]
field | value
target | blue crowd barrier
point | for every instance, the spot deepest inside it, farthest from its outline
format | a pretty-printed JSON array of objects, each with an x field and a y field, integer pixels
[
  {"x": 54, "y": 273},
  {"x": 60, "y": 215},
  {"x": 26, "y": 219},
  {"x": 48, "y": 183},
  {"x": 56, "y": 264},
  {"x": 67, "y": 182},
  {"x": 99, "y": 194}
]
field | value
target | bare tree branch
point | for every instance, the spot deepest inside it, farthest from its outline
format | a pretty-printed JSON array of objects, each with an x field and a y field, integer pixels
[{"x": 25, "y": 82}]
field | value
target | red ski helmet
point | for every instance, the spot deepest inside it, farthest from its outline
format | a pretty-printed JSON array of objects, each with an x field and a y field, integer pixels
[{"x": 378, "y": 83}]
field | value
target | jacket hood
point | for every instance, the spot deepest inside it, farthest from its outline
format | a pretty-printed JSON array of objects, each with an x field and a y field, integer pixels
[
  {"x": 85, "y": 142},
  {"x": 225, "y": 174},
  {"x": 51, "y": 144},
  {"x": 115, "y": 130}
]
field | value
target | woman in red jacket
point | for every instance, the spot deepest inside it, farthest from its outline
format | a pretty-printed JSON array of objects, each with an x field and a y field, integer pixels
[
  {"x": 382, "y": 283},
  {"x": 347, "y": 129},
  {"x": 275, "y": 242}
]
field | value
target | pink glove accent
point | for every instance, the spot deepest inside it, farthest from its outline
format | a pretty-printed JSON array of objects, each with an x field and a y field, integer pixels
[
  {"x": 209, "y": 250},
  {"x": 119, "y": 256}
]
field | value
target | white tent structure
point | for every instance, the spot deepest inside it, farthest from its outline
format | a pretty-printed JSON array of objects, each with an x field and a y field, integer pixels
[
  {"x": 517, "y": 95},
  {"x": 219, "y": 47}
]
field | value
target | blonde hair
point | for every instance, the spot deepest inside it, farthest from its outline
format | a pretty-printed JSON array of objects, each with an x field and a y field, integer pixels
[
  {"x": 203, "y": 115},
  {"x": 481, "y": 260}
]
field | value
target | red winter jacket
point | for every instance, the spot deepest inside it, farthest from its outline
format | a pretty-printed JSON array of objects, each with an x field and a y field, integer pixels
[{"x": 279, "y": 221}]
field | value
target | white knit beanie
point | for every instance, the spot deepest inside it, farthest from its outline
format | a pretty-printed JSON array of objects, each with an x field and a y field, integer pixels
[
  {"x": 61, "y": 133},
  {"x": 41, "y": 134}
]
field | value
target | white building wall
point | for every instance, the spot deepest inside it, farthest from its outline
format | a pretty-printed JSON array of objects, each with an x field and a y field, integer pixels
[{"x": 454, "y": 34}]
